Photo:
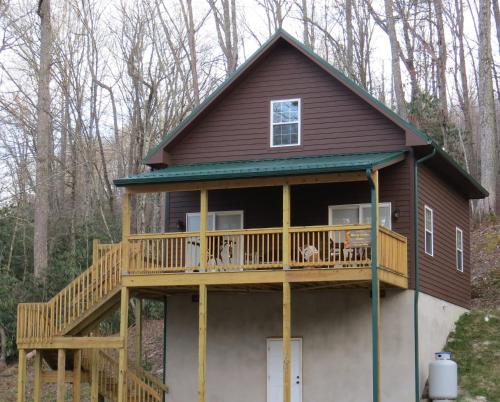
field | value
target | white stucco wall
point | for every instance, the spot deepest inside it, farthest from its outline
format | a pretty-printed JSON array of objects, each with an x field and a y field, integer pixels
[{"x": 336, "y": 332}]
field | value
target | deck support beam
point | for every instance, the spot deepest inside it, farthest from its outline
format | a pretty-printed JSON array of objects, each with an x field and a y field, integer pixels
[
  {"x": 61, "y": 375},
  {"x": 203, "y": 229},
  {"x": 37, "y": 386},
  {"x": 77, "y": 375},
  {"x": 202, "y": 343},
  {"x": 94, "y": 378},
  {"x": 138, "y": 332},
  {"x": 286, "y": 226},
  {"x": 21, "y": 376},
  {"x": 122, "y": 357},
  {"x": 287, "y": 341},
  {"x": 375, "y": 285}
]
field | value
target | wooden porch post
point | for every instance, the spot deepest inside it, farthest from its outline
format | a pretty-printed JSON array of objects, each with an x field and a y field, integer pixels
[
  {"x": 77, "y": 375},
  {"x": 94, "y": 378},
  {"x": 287, "y": 340},
  {"x": 122, "y": 358},
  {"x": 138, "y": 333},
  {"x": 61, "y": 375},
  {"x": 21, "y": 376},
  {"x": 126, "y": 219},
  {"x": 203, "y": 229},
  {"x": 202, "y": 343},
  {"x": 37, "y": 386},
  {"x": 286, "y": 226}
]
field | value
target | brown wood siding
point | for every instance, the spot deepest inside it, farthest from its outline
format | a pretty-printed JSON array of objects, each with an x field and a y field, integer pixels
[
  {"x": 309, "y": 206},
  {"x": 439, "y": 276},
  {"x": 334, "y": 120}
]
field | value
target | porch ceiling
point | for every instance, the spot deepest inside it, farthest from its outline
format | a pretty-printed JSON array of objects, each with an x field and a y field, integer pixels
[{"x": 264, "y": 168}]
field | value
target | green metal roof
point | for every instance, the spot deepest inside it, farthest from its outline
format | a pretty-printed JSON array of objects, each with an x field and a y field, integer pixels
[{"x": 264, "y": 168}]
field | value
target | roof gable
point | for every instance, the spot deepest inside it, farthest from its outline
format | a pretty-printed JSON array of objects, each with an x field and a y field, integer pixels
[{"x": 157, "y": 157}]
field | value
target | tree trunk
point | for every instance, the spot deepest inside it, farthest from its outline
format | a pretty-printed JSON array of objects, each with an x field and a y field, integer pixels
[
  {"x": 3, "y": 348},
  {"x": 443, "y": 97},
  {"x": 395, "y": 56},
  {"x": 496, "y": 11},
  {"x": 43, "y": 143},
  {"x": 350, "y": 39},
  {"x": 187, "y": 12},
  {"x": 487, "y": 126}
]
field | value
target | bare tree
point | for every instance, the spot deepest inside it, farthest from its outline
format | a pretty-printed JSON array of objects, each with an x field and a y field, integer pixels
[
  {"x": 395, "y": 59},
  {"x": 226, "y": 25},
  {"x": 487, "y": 126},
  {"x": 43, "y": 142},
  {"x": 441, "y": 67}
]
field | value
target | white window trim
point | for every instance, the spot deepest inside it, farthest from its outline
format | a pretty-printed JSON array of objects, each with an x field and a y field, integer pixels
[
  {"x": 360, "y": 207},
  {"x": 211, "y": 215},
  {"x": 461, "y": 249},
  {"x": 272, "y": 124},
  {"x": 431, "y": 231}
]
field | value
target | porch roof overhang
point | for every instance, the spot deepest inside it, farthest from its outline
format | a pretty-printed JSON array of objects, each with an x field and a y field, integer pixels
[{"x": 296, "y": 166}]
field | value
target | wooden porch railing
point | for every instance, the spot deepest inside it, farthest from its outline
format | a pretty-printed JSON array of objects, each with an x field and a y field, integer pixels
[
  {"x": 330, "y": 246},
  {"x": 39, "y": 322},
  {"x": 333, "y": 246},
  {"x": 141, "y": 386},
  {"x": 393, "y": 253}
]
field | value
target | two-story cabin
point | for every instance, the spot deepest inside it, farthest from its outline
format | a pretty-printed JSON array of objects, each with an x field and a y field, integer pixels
[{"x": 316, "y": 248}]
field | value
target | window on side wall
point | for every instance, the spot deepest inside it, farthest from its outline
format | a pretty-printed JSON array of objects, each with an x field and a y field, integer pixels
[
  {"x": 460, "y": 249},
  {"x": 429, "y": 231},
  {"x": 285, "y": 123}
]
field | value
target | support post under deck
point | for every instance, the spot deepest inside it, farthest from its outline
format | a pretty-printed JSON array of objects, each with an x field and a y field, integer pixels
[
  {"x": 37, "y": 386},
  {"x": 287, "y": 340},
  {"x": 61, "y": 375},
  {"x": 122, "y": 357},
  {"x": 21, "y": 376},
  {"x": 202, "y": 343}
]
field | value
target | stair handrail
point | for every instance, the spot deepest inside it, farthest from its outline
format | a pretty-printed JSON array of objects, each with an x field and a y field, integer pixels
[
  {"x": 136, "y": 375},
  {"x": 39, "y": 322}
]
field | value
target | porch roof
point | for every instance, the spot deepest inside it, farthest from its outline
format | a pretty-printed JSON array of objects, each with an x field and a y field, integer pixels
[{"x": 264, "y": 168}]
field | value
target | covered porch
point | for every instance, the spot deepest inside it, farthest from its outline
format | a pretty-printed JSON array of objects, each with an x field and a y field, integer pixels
[{"x": 198, "y": 256}]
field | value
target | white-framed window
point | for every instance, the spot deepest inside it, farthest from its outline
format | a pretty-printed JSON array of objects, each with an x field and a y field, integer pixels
[
  {"x": 352, "y": 214},
  {"x": 460, "y": 249},
  {"x": 285, "y": 122},
  {"x": 429, "y": 230}
]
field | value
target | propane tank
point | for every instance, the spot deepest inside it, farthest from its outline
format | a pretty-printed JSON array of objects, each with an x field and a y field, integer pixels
[{"x": 443, "y": 379}]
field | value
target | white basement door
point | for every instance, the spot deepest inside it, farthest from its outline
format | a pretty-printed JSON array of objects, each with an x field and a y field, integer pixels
[{"x": 275, "y": 370}]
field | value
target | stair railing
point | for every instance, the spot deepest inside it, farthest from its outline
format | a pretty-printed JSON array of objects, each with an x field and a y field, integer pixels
[{"x": 39, "y": 322}]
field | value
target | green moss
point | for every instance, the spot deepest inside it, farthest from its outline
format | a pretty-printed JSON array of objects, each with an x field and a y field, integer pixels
[{"x": 475, "y": 345}]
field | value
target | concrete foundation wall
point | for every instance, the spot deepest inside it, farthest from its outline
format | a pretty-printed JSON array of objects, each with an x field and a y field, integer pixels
[{"x": 336, "y": 332}]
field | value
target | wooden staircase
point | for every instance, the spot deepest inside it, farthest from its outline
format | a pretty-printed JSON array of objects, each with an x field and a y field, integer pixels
[
  {"x": 141, "y": 386},
  {"x": 76, "y": 307},
  {"x": 75, "y": 311}
]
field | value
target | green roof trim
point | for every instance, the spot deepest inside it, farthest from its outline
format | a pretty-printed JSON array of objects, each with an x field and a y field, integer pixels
[{"x": 264, "y": 168}]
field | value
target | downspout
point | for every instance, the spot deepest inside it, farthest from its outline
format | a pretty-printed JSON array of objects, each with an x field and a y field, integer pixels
[
  {"x": 418, "y": 162},
  {"x": 374, "y": 291},
  {"x": 164, "y": 344}
]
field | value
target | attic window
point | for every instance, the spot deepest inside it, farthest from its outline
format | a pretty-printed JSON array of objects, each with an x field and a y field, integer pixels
[{"x": 285, "y": 123}]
